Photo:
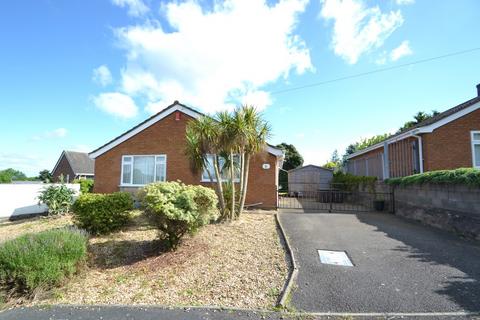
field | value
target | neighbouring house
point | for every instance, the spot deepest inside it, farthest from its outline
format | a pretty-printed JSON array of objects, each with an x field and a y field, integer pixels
[
  {"x": 449, "y": 140},
  {"x": 73, "y": 165},
  {"x": 308, "y": 179},
  {"x": 154, "y": 150}
]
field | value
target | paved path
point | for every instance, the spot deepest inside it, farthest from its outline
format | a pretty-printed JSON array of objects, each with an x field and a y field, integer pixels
[{"x": 399, "y": 266}]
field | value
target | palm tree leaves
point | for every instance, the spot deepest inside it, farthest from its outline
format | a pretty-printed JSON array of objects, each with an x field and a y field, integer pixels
[{"x": 230, "y": 135}]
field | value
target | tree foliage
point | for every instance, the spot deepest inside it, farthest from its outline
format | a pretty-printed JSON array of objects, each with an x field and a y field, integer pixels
[
  {"x": 45, "y": 176},
  {"x": 418, "y": 118},
  {"x": 10, "y": 174},
  {"x": 293, "y": 159}
]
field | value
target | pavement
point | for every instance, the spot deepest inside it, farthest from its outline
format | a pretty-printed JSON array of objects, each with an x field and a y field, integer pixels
[
  {"x": 399, "y": 266},
  {"x": 193, "y": 313}
]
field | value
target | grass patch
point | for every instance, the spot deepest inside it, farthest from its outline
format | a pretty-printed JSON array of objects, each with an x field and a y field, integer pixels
[
  {"x": 42, "y": 260},
  {"x": 463, "y": 176}
]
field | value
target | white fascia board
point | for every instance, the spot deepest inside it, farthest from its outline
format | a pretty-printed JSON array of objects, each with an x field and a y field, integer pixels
[
  {"x": 275, "y": 151},
  {"x": 450, "y": 118},
  {"x": 144, "y": 126}
]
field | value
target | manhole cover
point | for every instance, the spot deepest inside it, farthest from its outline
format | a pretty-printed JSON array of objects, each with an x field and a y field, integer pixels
[{"x": 338, "y": 258}]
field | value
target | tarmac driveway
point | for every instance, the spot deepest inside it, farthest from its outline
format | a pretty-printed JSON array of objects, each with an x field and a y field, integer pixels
[{"x": 399, "y": 266}]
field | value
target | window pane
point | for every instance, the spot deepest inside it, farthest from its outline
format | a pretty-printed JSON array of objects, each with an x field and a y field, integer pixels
[
  {"x": 476, "y": 136},
  {"x": 209, "y": 168},
  {"x": 476, "y": 150},
  {"x": 127, "y": 173},
  {"x": 160, "y": 171},
  {"x": 143, "y": 169}
]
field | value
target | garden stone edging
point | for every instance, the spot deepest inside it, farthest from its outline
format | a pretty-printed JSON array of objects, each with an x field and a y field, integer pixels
[{"x": 282, "y": 302}]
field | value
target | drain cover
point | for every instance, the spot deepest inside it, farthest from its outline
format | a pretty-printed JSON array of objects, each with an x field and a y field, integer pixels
[{"x": 338, "y": 258}]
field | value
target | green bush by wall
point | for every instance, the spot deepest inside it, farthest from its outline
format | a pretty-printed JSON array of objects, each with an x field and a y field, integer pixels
[
  {"x": 462, "y": 176},
  {"x": 41, "y": 260},
  {"x": 102, "y": 213},
  {"x": 86, "y": 185}
]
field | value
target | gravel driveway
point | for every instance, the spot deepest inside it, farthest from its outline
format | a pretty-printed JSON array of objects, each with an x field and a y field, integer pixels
[{"x": 399, "y": 266}]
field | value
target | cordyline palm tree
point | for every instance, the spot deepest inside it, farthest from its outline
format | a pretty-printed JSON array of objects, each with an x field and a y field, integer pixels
[
  {"x": 255, "y": 136},
  {"x": 241, "y": 133},
  {"x": 202, "y": 140}
]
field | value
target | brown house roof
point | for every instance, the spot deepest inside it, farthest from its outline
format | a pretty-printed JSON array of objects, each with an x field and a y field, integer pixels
[
  {"x": 80, "y": 162},
  {"x": 428, "y": 122}
]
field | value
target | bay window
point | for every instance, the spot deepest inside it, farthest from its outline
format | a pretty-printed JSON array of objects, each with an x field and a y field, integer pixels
[
  {"x": 140, "y": 170},
  {"x": 476, "y": 149},
  {"x": 224, "y": 171}
]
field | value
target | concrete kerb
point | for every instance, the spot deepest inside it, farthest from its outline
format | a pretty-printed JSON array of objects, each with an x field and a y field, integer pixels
[{"x": 287, "y": 289}]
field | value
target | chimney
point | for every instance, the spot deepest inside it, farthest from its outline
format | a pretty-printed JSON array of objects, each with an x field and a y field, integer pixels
[{"x": 478, "y": 90}]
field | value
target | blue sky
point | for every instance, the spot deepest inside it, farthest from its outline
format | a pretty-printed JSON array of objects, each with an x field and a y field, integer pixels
[{"x": 74, "y": 74}]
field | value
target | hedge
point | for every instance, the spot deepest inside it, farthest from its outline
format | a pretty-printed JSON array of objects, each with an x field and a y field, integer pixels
[
  {"x": 41, "y": 260},
  {"x": 102, "y": 213},
  {"x": 462, "y": 176},
  {"x": 347, "y": 181}
]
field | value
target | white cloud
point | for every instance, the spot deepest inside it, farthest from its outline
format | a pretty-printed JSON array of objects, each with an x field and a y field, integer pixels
[
  {"x": 260, "y": 99},
  {"x": 56, "y": 133},
  {"x": 102, "y": 75},
  {"x": 213, "y": 59},
  {"x": 28, "y": 163},
  {"x": 115, "y": 103},
  {"x": 358, "y": 29},
  {"x": 401, "y": 51},
  {"x": 404, "y": 2},
  {"x": 136, "y": 8}
]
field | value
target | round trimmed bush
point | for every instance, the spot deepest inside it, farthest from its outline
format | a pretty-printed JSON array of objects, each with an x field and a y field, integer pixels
[
  {"x": 177, "y": 209},
  {"x": 102, "y": 213}
]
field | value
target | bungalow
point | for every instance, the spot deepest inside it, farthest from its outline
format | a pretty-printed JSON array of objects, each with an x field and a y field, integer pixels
[
  {"x": 73, "y": 165},
  {"x": 449, "y": 140},
  {"x": 154, "y": 150}
]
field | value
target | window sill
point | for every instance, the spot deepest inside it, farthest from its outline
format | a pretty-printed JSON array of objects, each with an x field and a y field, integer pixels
[{"x": 215, "y": 181}]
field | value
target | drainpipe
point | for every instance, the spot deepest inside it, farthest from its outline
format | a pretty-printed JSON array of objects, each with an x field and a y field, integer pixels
[{"x": 420, "y": 151}]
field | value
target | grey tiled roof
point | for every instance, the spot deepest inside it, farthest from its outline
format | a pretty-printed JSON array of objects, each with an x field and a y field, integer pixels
[{"x": 80, "y": 162}]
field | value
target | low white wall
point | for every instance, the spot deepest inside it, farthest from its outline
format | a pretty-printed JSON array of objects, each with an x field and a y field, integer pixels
[{"x": 22, "y": 199}]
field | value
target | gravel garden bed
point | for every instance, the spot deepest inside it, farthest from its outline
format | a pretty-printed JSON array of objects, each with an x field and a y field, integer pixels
[{"x": 235, "y": 264}]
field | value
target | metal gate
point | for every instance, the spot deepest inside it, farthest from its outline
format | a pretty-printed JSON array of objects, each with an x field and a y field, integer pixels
[{"x": 336, "y": 200}]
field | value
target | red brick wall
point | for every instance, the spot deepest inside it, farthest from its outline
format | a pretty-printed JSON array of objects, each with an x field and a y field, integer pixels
[
  {"x": 449, "y": 146},
  {"x": 168, "y": 137},
  {"x": 65, "y": 169}
]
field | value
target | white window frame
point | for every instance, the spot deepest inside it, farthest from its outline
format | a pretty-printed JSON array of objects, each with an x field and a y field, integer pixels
[
  {"x": 131, "y": 184},
  {"x": 214, "y": 179},
  {"x": 474, "y": 143}
]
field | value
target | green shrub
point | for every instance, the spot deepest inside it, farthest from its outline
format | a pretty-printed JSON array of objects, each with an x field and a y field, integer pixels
[
  {"x": 102, "y": 213},
  {"x": 462, "y": 176},
  {"x": 41, "y": 260},
  {"x": 177, "y": 209},
  {"x": 350, "y": 182},
  {"x": 58, "y": 198},
  {"x": 86, "y": 185}
]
